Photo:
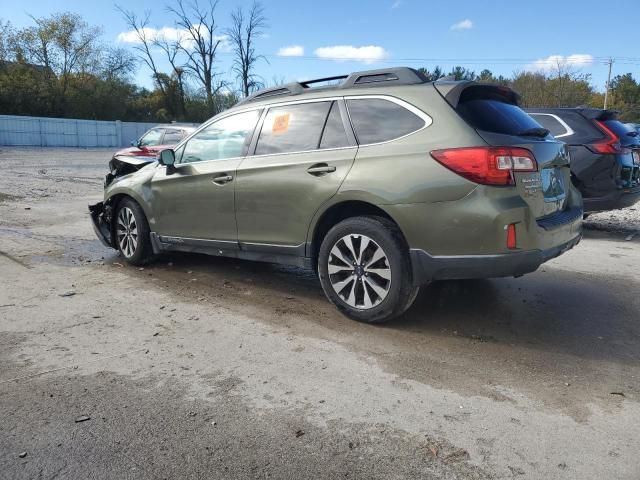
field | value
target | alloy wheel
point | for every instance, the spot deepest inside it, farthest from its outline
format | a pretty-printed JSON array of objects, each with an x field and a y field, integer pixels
[
  {"x": 359, "y": 271},
  {"x": 127, "y": 232}
]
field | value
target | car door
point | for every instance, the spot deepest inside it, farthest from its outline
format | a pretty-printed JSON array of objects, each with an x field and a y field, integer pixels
[
  {"x": 299, "y": 159},
  {"x": 194, "y": 200}
]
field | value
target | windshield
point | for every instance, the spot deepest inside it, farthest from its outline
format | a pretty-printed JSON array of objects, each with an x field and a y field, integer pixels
[{"x": 151, "y": 138}]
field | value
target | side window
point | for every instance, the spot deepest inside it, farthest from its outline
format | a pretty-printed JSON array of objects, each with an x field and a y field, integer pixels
[
  {"x": 171, "y": 137},
  {"x": 552, "y": 123},
  {"x": 334, "y": 135},
  {"x": 225, "y": 138},
  {"x": 376, "y": 120},
  {"x": 152, "y": 137},
  {"x": 293, "y": 128}
]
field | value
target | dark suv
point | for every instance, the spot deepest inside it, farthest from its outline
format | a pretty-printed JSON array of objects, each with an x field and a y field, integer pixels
[
  {"x": 605, "y": 154},
  {"x": 381, "y": 184}
]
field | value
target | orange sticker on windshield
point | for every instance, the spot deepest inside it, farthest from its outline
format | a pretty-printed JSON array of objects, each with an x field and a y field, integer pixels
[{"x": 280, "y": 124}]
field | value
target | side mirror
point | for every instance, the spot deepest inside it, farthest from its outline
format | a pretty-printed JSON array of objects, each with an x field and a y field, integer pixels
[
  {"x": 134, "y": 143},
  {"x": 167, "y": 158}
]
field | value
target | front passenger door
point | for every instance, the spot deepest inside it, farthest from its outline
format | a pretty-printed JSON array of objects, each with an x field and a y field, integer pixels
[{"x": 195, "y": 200}]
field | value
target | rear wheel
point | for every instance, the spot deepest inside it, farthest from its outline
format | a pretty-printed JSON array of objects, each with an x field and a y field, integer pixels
[
  {"x": 365, "y": 271},
  {"x": 132, "y": 233}
]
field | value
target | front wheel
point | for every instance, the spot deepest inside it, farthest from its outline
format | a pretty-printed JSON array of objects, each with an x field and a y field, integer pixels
[
  {"x": 132, "y": 233},
  {"x": 365, "y": 271}
]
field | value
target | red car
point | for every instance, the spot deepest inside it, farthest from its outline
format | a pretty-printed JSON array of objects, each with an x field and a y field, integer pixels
[{"x": 157, "y": 139}]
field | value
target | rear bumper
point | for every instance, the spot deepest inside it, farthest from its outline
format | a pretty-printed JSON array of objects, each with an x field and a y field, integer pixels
[
  {"x": 101, "y": 226},
  {"x": 426, "y": 267},
  {"x": 615, "y": 200}
]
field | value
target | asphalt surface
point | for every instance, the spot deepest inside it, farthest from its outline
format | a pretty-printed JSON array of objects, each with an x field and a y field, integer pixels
[{"x": 198, "y": 367}]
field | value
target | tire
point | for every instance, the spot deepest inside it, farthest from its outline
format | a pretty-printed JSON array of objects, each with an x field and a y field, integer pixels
[
  {"x": 131, "y": 233},
  {"x": 379, "y": 287}
]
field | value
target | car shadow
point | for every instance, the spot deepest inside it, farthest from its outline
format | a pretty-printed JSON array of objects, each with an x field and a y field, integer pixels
[
  {"x": 552, "y": 310},
  {"x": 555, "y": 310}
]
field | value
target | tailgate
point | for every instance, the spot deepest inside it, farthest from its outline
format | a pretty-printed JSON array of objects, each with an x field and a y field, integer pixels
[
  {"x": 494, "y": 113},
  {"x": 546, "y": 190}
]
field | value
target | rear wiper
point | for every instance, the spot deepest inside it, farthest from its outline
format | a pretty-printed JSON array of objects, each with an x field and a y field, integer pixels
[{"x": 534, "y": 132}]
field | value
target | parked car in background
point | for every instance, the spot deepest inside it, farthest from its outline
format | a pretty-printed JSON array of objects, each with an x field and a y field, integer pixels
[
  {"x": 381, "y": 184},
  {"x": 605, "y": 154},
  {"x": 158, "y": 139},
  {"x": 635, "y": 126}
]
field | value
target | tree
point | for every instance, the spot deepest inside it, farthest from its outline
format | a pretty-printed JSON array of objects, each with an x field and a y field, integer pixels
[
  {"x": 242, "y": 36},
  {"x": 201, "y": 45},
  {"x": 64, "y": 45},
  {"x": 140, "y": 25},
  {"x": 432, "y": 76},
  {"x": 6, "y": 38},
  {"x": 625, "y": 97},
  {"x": 117, "y": 63},
  {"x": 462, "y": 73},
  {"x": 172, "y": 49}
]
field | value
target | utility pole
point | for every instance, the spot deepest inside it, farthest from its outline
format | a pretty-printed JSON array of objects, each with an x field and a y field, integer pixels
[{"x": 606, "y": 92}]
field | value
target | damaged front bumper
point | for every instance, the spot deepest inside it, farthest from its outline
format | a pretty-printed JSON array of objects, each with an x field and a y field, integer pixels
[{"x": 101, "y": 221}]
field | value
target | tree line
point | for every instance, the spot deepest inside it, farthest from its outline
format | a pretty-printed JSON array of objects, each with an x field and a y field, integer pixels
[{"x": 61, "y": 67}]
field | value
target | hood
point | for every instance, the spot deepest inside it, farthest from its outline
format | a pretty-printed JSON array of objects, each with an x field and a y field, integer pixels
[
  {"x": 150, "y": 151},
  {"x": 121, "y": 165}
]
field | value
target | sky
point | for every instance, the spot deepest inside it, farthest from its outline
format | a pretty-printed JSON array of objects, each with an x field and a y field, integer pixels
[{"x": 307, "y": 40}]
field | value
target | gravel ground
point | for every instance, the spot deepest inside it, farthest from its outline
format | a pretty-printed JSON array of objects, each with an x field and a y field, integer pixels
[
  {"x": 626, "y": 220},
  {"x": 199, "y": 367}
]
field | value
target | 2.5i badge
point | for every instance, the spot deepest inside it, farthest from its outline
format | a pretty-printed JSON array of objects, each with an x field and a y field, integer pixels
[{"x": 532, "y": 184}]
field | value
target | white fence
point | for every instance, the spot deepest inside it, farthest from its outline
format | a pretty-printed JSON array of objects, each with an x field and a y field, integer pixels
[{"x": 68, "y": 132}]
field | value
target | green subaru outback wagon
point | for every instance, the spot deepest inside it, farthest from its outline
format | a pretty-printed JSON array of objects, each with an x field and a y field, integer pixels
[{"x": 381, "y": 182}]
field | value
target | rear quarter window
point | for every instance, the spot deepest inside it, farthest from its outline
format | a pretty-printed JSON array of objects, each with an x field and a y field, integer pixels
[
  {"x": 491, "y": 115},
  {"x": 377, "y": 120}
]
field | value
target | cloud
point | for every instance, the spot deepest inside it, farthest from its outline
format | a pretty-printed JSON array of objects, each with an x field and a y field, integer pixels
[
  {"x": 169, "y": 34},
  {"x": 465, "y": 24},
  {"x": 291, "y": 51},
  {"x": 552, "y": 62},
  {"x": 343, "y": 53},
  {"x": 396, "y": 4}
]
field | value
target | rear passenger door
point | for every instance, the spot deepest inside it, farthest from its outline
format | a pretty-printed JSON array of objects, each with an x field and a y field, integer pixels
[{"x": 301, "y": 155}]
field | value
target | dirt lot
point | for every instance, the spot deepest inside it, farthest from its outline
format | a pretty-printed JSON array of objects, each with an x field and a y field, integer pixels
[{"x": 197, "y": 367}]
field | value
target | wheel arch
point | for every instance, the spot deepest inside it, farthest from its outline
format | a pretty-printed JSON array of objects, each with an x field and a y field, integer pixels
[
  {"x": 112, "y": 202},
  {"x": 338, "y": 212}
]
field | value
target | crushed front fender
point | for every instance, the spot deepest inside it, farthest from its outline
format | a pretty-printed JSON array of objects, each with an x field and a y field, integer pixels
[{"x": 101, "y": 221}]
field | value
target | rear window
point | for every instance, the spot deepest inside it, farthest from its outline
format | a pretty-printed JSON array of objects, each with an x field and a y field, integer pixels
[
  {"x": 377, "y": 120},
  {"x": 553, "y": 123},
  {"x": 495, "y": 116}
]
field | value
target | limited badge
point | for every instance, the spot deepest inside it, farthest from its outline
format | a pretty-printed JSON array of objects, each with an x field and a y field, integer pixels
[{"x": 280, "y": 124}]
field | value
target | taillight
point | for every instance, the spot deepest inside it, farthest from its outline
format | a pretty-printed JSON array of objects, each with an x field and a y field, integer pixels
[
  {"x": 487, "y": 165},
  {"x": 611, "y": 144}
]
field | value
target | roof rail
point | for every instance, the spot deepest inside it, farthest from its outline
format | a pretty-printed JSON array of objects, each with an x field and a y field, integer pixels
[
  {"x": 368, "y": 78},
  {"x": 321, "y": 80}
]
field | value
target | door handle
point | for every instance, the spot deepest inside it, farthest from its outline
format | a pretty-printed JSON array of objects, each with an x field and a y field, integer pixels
[
  {"x": 320, "y": 169},
  {"x": 222, "y": 179}
]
